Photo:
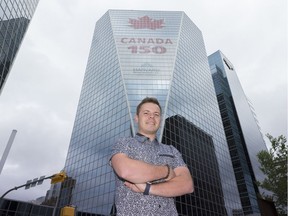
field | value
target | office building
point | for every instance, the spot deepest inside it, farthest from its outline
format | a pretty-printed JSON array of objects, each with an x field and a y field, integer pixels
[
  {"x": 189, "y": 139},
  {"x": 15, "y": 17},
  {"x": 16, "y": 207},
  {"x": 241, "y": 129},
  {"x": 135, "y": 54}
]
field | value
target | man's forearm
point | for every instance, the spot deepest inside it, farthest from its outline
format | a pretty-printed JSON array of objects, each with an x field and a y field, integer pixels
[
  {"x": 178, "y": 186},
  {"x": 137, "y": 171}
]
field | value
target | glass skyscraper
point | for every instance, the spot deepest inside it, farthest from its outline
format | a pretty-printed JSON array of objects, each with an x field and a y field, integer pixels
[
  {"x": 241, "y": 128},
  {"x": 15, "y": 16},
  {"x": 135, "y": 54}
]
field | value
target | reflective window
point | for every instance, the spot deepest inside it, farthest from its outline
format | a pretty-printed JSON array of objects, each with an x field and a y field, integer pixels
[
  {"x": 15, "y": 16},
  {"x": 242, "y": 132}
]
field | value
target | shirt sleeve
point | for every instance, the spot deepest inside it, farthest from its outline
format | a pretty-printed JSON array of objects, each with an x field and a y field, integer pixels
[{"x": 121, "y": 146}]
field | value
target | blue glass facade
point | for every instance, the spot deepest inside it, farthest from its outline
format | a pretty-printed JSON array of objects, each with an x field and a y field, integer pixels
[
  {"x": 135, "y": 54},
  {"x": 241, "y": 129},
  {"x": 15, "y": 16}
]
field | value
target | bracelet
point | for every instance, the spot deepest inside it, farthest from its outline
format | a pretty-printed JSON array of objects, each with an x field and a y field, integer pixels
[
  {"x": 161, "y": 179},
  {"x": 147, "y": 189},
  {"x": 168, "y": 173}
]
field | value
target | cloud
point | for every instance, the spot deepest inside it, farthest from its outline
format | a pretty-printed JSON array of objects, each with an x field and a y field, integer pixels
[{"x": 41, "y": 95}]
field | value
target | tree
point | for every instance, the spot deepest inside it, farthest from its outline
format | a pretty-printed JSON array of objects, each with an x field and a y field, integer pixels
[{"x": 274, "y": 166}]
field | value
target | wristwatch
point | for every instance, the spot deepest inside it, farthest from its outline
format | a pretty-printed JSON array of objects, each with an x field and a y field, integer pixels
[{"x": 147, "y": 189}]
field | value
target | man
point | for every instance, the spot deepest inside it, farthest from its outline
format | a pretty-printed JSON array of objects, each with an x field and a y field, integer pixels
[{"x": 149, "y": 174}]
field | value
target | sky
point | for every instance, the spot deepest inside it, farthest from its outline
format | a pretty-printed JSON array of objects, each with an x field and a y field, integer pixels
[{"x": 41, "y": 94}]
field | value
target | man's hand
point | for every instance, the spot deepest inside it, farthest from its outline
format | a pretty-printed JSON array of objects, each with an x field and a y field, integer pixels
[{"x": 138, "y": 188}]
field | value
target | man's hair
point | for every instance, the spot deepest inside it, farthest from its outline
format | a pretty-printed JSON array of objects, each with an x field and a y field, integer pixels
[{"x": 148, "y": 100}]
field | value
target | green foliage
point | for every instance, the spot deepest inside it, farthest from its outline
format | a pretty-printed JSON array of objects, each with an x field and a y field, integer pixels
[{"x": 274, "y": 166}]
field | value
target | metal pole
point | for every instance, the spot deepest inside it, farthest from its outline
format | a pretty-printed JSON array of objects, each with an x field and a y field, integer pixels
[
  {"x": 56, "y": 205},
  {"x": 16, "y": 188},
  {"x": 7, "y": 149}
]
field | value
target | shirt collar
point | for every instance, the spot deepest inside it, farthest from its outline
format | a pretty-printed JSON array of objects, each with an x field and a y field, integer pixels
[{"x": 141, "y": 138}]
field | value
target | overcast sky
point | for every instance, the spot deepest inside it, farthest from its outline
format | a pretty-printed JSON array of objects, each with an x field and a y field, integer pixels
[{"x": 41, "y": 94}]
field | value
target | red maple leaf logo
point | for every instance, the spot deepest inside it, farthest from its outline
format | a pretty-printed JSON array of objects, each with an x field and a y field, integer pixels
[{"x": 146, "y": 23}]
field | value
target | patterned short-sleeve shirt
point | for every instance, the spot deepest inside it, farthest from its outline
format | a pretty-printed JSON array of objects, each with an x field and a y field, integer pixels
[{"x": 136, "y": 204}]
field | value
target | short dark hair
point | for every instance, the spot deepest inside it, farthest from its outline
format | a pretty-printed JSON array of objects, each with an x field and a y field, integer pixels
[{"x": 148, "y": 100}]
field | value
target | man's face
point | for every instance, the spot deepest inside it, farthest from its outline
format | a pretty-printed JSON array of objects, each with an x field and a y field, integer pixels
[{"x": 148, "y": 119}]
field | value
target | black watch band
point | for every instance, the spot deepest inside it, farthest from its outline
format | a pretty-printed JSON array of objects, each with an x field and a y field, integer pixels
[{"x": 147, "y": 189}]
